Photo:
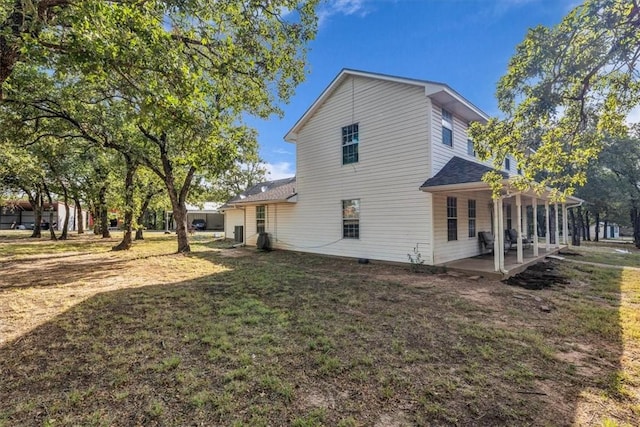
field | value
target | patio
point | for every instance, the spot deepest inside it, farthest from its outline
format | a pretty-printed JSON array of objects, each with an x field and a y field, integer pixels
[{"x": 484, "y": 265}]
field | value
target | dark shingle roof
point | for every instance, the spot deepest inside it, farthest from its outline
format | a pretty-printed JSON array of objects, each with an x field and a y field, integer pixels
[
  {"x": 268, "y": 191},
  {"x": 459, "y": 171}
]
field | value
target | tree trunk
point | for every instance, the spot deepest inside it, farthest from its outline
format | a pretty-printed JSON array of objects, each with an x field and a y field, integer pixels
[
  {"x": 596, "y": 238},
  {"x": 104, "y": 213},
  {"x": 129, "y": 207},
  {"x": 581, "y": 223},
  {"x": 36, "y": 204},
  {"x": 52, "y": 232},
  {"x": 143, "y": 211},
  {"x": 65, "y": 225},
  {"x": 587, "y": 225},
  {"x": 79, "y": 219},
  {"x": 575, "y": 235},
  {"x": 635, "y": 215}
]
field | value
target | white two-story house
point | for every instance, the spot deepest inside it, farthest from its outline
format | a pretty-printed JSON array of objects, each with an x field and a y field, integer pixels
[{"x": 384, "y": 165}]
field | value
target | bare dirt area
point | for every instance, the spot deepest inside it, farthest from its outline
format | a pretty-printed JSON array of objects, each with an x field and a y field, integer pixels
[{"x": 235, "y": 336}]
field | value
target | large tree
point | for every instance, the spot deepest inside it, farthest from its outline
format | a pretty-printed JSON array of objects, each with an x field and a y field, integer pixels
[
  {"x": 184, "y": 71},
  {"x": 567, "y": 88}
]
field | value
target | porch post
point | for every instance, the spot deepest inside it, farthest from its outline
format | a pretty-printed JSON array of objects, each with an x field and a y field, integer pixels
[
  {"x": 501, "y": 233},
  {"x": 520, "y": 258},
  {"x": 525, "y": 222},
  {"x": 565, "y": 225},
  {"x": 535, "y": 226},
  {"x": 557, "y": 245},
  {"x": 496, "y": 244},
  {"x": 547, "y": 221}
]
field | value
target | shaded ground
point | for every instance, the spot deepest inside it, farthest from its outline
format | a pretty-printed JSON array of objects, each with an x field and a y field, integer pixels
[{"x": 234, "y": 336}]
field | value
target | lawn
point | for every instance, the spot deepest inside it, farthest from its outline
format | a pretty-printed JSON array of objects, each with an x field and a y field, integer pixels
[{"x": 239, "y": 337}]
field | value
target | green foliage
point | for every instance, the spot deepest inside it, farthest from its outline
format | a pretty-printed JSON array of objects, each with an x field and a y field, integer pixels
[
  {"x": 163, "y": 83},
  {"x": 567, "y": 89}
]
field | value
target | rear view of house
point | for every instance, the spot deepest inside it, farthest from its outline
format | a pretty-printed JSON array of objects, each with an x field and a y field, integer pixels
[{"x": 384, "y": 165}]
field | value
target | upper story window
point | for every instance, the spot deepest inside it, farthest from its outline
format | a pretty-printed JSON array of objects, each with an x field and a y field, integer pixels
[
  {"x": 447, "y": 128},
  {"x": 470, "y": 149},
  {"x": 507, "y": 163},
  {"x": 261, "y": 218},
  {"x": 350, "y": 140},
  {"x": 351, "y": 219}
]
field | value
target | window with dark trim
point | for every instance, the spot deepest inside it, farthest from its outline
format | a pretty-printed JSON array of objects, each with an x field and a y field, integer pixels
[
  {"x": 508, "y": 217},
  {"x": 470, "y": 148},
  {"x": 447, "y": 128},
  {"x": 507, "y": 164},
  {"x": 351, "y": 219},
  {"x": 472, "y": 217},
  {"x": 452, "y": 218},
  {"x": 350, "y": 139},
  {"x": 261, "y": 218}
]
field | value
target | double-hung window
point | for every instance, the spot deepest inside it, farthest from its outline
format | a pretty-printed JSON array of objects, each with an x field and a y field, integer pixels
[
  {"x": 470, "y": 148},
  {"x": 447, "y": 128},
  {"x": 261, "y": 218},
  {"x": 350, "y": 139},
  {"x": 507, "y": 164},
  {"x": 452, "y": 218},
  {"x": 351, "y": 219},
  {"x": 509, "y": 222},
  {"x": 472, "y": 217}
]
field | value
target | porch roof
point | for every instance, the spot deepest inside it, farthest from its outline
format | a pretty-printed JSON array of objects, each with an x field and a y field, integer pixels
[
  {"x": 459, "y": 171},
  {"x": 463, "y": 175}
]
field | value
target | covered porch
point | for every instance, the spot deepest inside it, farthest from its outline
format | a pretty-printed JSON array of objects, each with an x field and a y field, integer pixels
[
  {"x": 483, "y": 265},
  {"x": 538, "y": 224}
]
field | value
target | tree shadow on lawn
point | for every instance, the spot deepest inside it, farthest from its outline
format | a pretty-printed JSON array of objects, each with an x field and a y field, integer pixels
[{"x": 283, "y": 338}]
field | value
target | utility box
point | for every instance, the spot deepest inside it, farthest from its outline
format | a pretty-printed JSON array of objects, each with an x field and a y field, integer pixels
[{"x": 238, "y": 233}]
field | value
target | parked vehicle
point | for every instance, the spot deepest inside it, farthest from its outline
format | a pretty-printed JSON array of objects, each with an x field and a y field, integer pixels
[
  {"x": 43, "y": 226},
  {"x": 199, "y": 224}
]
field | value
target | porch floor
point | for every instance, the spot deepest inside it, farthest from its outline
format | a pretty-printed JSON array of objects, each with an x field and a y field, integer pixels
[{"x": 483, "y": 265}]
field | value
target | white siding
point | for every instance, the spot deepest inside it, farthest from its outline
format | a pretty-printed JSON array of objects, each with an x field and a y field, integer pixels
[
  {"x": 394, "y": 161},
  {"x": 443, "y": 153},
  {"x": 465, "y": 246},
  {"x": 232, "y": 218}
]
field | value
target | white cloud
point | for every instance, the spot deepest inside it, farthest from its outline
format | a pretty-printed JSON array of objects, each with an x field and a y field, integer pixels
[
  {"x": 341, "y": 7},
  {"x": 634, "y": 116},
  {"x": 282, "y": 151},
  {"x": 279, "y": 170}
]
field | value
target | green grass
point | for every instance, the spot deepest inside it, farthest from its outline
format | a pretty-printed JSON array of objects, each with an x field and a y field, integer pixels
[
  {"x": 241, "y": 337},
  {"x": 611, "y": 255}
]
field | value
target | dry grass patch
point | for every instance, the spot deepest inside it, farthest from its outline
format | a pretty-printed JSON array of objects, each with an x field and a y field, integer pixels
[{"x": 151, "y": 338}]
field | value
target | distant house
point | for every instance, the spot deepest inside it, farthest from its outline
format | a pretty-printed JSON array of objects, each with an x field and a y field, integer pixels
[
  {"x": 14, "y": 214},
  {"x": 385, "y": 166},
  {"x": 612, "y": 231}
]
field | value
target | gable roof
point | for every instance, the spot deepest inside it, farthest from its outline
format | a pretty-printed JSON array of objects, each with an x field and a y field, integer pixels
[
  {"x": 459, "y": 171},
  {"x": 441, "y": 93},
  {"x": 280, "y": 190}
]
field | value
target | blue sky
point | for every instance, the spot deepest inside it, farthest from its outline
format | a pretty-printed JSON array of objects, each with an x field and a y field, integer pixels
[{"x": 464, "y": 43}]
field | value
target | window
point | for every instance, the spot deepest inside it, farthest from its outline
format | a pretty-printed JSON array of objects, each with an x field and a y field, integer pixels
[
  {"x": 350, "y": 144},
  {"x": 452, "y": 218},
  {"x": 351, "y": 219},
  {"x": 447, "y": 128},
  {"x": 470, "y": 149},
  {"x": 507, "y": 163},
  {"x": 508, "y": 217},
  {"x": 261, "y": 218},
  {"x": 472, "y": 218}
]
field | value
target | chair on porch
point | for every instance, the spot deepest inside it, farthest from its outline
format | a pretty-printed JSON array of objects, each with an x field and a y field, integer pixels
[
  {"x": 488, "y": 241},
  {"x": 512, "y": 235}
]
